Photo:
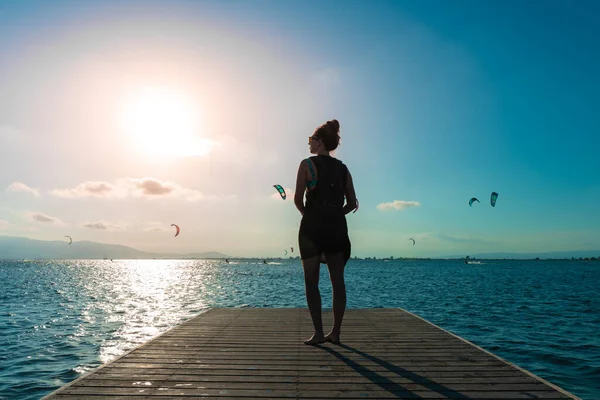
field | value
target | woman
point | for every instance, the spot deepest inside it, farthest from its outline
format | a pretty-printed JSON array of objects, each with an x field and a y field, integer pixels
[{"x": 323, "y": 234}]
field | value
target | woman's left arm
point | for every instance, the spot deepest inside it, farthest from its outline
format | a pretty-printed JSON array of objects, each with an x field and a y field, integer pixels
[{"x": 351, "y": 202}]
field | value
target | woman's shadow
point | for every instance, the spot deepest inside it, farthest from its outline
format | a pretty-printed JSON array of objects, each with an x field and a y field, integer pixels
[{"x": 385, "y": 383}]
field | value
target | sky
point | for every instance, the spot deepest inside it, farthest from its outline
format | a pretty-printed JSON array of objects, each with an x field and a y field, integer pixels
[{"x": 119, "y": 118}]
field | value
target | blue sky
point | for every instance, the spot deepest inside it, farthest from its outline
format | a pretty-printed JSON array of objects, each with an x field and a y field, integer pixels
[{"x": 120, "y": 118}]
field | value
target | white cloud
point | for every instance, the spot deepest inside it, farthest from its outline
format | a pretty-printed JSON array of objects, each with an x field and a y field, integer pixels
[
  {"x": 90, "y": 188},
  {"x": 101, "y": 225},
  {"x": 154, "y": 187},
  {"x": 150, "y": 187},
  {"x": 43, "y": 218},
  {"x": 21, "y": 187},
  {"x": 398, "y": 205},
  {"x": 131, "y": 187}
]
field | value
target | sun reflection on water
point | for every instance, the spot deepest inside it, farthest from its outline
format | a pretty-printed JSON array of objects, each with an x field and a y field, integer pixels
[
  {"x": 146, "y": 294},
  {"x": 137, "y": 300}
]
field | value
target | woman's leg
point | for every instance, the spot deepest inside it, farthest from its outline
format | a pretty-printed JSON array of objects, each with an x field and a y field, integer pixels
[
  {"x": 336, "y": 264},
  {"x": 313, "y": 297}
]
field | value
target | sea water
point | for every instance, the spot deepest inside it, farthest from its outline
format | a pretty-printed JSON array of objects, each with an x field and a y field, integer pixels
[{"x": 62, "y": 318}]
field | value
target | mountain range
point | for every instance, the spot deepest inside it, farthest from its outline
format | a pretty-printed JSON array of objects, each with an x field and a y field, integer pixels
[{"x": 12, "y": 247}]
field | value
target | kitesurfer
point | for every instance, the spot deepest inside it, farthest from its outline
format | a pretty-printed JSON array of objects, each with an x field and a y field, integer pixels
[{"x": 323, "y": 234}]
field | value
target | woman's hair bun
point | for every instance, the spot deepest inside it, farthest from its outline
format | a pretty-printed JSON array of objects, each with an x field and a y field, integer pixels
[
  {"x": 329, "y": 133},
  {"x": 334, "y": 126}
]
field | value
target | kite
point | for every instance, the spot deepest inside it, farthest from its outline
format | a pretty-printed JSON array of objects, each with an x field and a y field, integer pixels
[
  {"x": 281, "y": 191},
  {"x": 493, "y": 199},
  {"x": 176, "y": 227},
  {"x": 413, "y": 240},
  {"x": 285, "y": 252},
  {"x": 472, "y": 200},
  {"x": 70, "y": 240},
  {"x": 291, "y": 248}
]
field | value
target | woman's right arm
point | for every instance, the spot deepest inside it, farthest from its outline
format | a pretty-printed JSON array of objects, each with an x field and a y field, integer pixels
[
  {"x": 351, "y": 202},
  {"x": 300, "y": 187}
]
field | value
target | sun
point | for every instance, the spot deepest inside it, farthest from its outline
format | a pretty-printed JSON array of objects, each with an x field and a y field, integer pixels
[{"x": 163, "y": 123}]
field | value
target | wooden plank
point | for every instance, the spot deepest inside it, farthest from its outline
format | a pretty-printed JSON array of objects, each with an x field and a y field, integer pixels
[
  {"x": 322, "y": 386},
  {"x": 256, "y": 353}
]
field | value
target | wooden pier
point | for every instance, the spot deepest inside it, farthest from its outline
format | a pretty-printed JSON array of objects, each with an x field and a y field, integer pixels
[{"x": 257, "y": 353}]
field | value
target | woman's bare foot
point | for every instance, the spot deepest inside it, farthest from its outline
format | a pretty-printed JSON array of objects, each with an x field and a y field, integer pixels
[
  {"x": 315, "y": 339},
  {"x": 332, "y": 338}
]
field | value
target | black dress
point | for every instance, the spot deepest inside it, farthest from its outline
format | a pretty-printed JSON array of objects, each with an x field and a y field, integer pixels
[{"x": 323, "y": 229}]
